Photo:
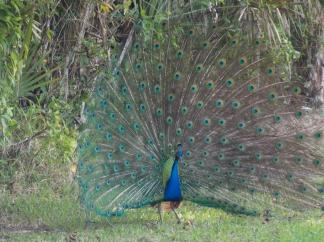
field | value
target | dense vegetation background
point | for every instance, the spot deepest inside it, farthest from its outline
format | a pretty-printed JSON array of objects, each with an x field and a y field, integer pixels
[{"x": 50, "y": 55}]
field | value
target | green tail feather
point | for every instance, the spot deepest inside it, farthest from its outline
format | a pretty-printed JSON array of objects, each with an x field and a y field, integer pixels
[{"x": 242, "y": 125}]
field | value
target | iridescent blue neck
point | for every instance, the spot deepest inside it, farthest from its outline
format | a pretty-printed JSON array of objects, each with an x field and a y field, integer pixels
[{"x": 173, "y": 188}]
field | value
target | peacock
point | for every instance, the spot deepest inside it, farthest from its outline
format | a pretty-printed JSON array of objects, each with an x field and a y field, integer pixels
[{"x": 196, "y": 110}]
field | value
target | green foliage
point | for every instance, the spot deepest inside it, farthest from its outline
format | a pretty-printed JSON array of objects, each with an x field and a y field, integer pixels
[
  {"x": 10, "y": 22},
  {"x": 10, "y": 35},
  {"x": 22, "y": 65},
  {"x": 50, "y": 140},
  {"x": 16, "y": 32},
  {"x": 61, "y": 137},
  {"x": 34, "y": 74}
]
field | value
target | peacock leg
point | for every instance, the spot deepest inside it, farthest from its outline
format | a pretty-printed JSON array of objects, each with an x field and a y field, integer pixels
[
  {"x": 160, "y": 213},
  {"x": 178, "y": 218}
]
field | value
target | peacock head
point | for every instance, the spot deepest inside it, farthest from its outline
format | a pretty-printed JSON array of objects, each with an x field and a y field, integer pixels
[{"x": 179, "y": 152}]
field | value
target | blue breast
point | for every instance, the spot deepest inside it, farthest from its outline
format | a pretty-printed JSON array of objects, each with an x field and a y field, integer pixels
[{"x": 173, "y": 190}]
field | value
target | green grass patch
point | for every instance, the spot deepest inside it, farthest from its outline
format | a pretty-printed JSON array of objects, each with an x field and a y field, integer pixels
[{"x": 64, "y": 219}]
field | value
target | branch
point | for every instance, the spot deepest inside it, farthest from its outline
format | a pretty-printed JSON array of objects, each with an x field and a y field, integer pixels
[
  {"x": 69, "y": 60},
  {"x": 14, "y": 146},
  {"x": 126, "y": 46}
]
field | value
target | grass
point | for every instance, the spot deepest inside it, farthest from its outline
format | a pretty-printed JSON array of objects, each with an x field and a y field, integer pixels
[{"x": 26, "y": 217}]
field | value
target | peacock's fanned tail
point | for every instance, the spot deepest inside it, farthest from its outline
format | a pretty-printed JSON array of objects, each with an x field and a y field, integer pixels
[{"x": 242, "y": 126}]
